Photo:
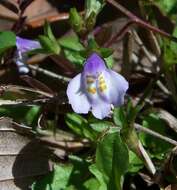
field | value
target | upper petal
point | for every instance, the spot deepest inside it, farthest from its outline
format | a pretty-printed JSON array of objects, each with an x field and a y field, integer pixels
[
  {"x": 76, "y": 95},
  {"x": 101, "y": 109},
  {"x": 24, "y": 45},
  {"x": 94, "y": 64}
]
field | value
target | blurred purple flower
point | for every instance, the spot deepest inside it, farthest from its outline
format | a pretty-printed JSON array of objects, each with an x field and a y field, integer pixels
[
  {"x": 96, "y": 88},
  {"x": 23, "y": 46}
]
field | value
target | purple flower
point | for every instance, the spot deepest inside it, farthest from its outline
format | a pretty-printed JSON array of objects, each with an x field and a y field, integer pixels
[
  {"x": 96, "y": 88},
  {"x": 23, "y": 46}
]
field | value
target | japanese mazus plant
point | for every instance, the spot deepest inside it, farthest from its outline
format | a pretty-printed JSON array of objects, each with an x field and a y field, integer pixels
[{"x": 96, "y": 89}]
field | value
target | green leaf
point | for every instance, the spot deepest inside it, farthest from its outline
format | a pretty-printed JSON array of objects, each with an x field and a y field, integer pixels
[
  {"x": 119, "y": 117},
  {"x": 92, "y": 9},
  {"x": 80, "y": 126},
  {"x": 21, "y": 114},
  {"x": 92, "y": 44},
  {"x": 49, "y": 45},
  {"x": 99, "y": 176},
  {"x": 103, "y": 52},
  {"x": 170, "y": 51},
  {"x": 169, "y": 57},
  {"x": 106, "y": 52},
  {"x": 135, "y": 163},
  {"x": 100, "y": 126},
  {"x": 155, "y": 146},
  {"x": 79, "y": 173},
  {"x": 56, "y": 180},
  {"x": 74, "y": 57},
  {"x": 90, "y": 21},
  {"x": 132, "y": 111},
  {"x": 112, "y": 160},
  {"x": 93, "y": 6},
  {"x": 71, "y": 42},
  {"x": 76, "y": 21},
  {"x": 48, "y": 31},
  {"x": 173, "y": 45},
  {"x": 168, "y": 7},
  {"x": 91, "y": 184},
  {"x": 32, "y": 115},
  {"x": 109, "y": 61},
  {"x": 7, "y": 40},
  {"x": 92, "y": 47},
  {"x": 37, "y": 51}
]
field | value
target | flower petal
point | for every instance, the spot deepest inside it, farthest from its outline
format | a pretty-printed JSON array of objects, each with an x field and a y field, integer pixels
[
  {"x": 20, "y": 61},
  {"x": 22, "y": 67},
  {"x": 76, "y": 96},
  {"x": 24, "y": 45},
  {"x": 94, "y": 64},
  {"x": 118, "y": 88},
  {"x": 101, "y": 109}
]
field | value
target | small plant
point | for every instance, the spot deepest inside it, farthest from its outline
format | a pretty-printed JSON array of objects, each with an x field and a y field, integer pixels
[{"x": 103, "y": 101}]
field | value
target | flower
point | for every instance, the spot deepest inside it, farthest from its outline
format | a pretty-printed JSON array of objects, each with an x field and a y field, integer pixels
[
  {"x": 23, "y": 46},
  {"x": 96, "y": 89}
]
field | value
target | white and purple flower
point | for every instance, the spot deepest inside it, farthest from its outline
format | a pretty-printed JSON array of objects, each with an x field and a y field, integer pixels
[
  {"x": 96, "y": 89},
  {"x": 24, "y": 46}
]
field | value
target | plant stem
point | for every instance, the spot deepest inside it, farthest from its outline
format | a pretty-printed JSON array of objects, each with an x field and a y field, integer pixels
[
  {"x": 15, "y": 87},
  {"x": 49, "y": 73},
  {"x": 139, "y": 21},
  {"x": 155, "y": 134},
  {"x": 120, "y": 34},
  {"x": 147, "y": 159}
]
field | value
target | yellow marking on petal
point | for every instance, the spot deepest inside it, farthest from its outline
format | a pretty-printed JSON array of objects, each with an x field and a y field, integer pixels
[
  {"x": 90, "y": 80},
  {"x": 91, "y": 90},
  {"x": 100, "y": 77},
  {"x": 102, "y": 82},
  {"x": 102, "y": 87}
]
